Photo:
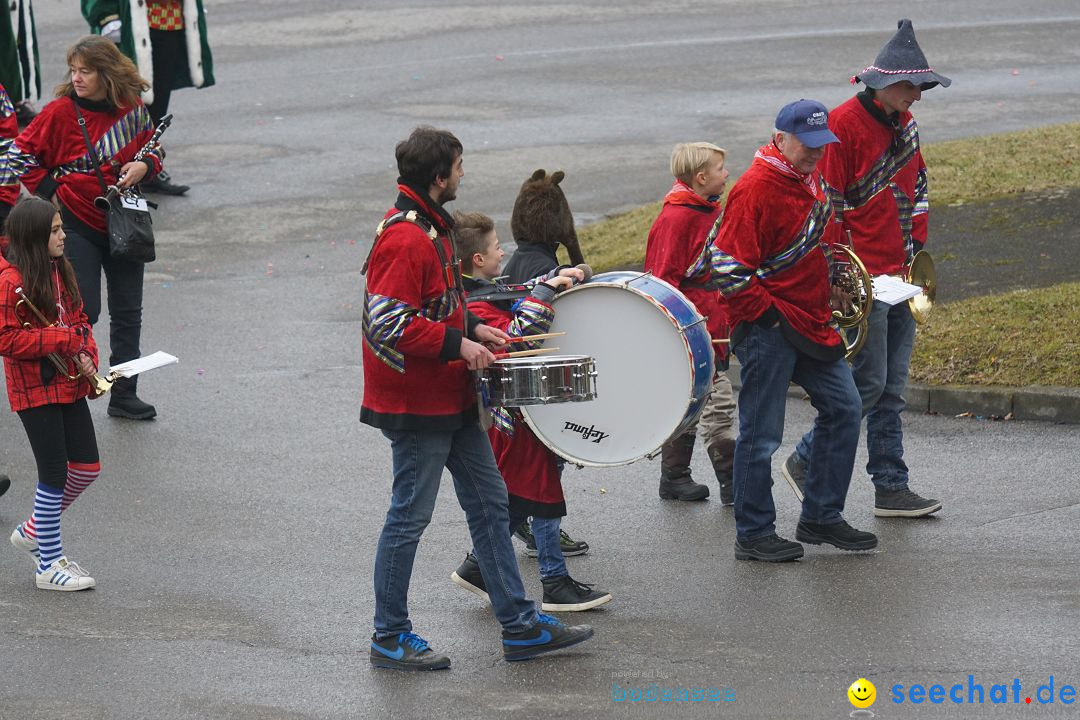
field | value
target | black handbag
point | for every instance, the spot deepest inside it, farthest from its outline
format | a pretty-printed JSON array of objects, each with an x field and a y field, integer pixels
[{"x": 131, "y": 230}]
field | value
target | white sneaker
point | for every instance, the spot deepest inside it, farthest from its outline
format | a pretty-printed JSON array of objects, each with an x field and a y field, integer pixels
[
  {"x": 64, "y": 575},
  {"x": 24, "y": 543}
]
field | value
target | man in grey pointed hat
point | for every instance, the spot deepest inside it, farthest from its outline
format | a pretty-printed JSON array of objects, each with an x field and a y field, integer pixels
[{"x": 877, "y": 179}]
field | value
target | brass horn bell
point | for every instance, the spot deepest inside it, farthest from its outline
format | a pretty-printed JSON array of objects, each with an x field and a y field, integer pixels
[
  {"x": 851, "y": 277},
  {"x": 922, "y": 273}
]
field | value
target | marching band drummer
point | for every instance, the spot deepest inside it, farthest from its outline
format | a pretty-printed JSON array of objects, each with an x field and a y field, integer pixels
[
  {"x": 51, "y": 158},
  {"x": 880, "y": 196},
  {"x": 770, "y": 263},
  {"x": 532, "y": 471},
  {"x": 415, "y": 321},
  {"x": 676, "y": 253}
]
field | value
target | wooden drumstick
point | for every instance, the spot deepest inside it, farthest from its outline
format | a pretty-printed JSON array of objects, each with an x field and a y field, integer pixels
[
  {"x": 525, "y": 353},
  {"x": 514, "y": 354},
  {"x": 539, "y": 336},
  {"x": 724, "y": 341}
]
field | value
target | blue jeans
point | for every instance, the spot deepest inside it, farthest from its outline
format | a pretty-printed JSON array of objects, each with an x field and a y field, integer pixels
[
  {"x": 881, "y": 373},
  {"x": 769, "y": 363},
  {"x": 419, "y": 458},
  {"x": 548, "y": 548}
]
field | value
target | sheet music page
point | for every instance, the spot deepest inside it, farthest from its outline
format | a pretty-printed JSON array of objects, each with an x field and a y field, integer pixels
[
  {"x": 892, "y": 290},
  {"x": 131, "y": 368}
]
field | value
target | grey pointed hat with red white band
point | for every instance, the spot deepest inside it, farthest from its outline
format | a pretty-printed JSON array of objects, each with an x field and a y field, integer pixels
[{"x": 901, "y": 59}]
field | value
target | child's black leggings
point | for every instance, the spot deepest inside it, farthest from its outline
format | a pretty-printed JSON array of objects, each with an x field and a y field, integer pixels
[{"x": 59, "y": 434}]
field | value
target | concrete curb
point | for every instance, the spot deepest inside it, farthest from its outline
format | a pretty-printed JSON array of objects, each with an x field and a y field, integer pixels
[{"x": 1034, "y": 402}]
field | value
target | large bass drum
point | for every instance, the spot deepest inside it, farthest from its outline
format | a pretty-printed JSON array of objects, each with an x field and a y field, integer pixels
[{"x": 654, "y": 364}]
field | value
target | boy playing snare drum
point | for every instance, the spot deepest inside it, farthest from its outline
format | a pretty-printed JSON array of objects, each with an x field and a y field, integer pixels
[{"x": 531, "y": 470}]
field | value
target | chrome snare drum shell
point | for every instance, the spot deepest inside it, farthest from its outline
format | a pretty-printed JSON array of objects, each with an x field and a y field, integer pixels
[{"x": 513, "y": 382}]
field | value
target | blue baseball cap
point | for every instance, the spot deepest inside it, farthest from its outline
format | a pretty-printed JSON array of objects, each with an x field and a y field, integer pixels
[{"x": 807, "y": 119}]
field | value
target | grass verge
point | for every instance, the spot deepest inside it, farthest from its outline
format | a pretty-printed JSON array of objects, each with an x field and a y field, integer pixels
[
  {"x": 960, "y": 171},
  {"x": 1020, "y": 338}
]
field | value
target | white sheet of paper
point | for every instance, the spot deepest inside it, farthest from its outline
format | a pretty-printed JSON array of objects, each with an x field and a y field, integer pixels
[
  {"x": 136, "y": 203},
  {"x": 892, "y": 290},
  {"x": 131, "y": 368}
]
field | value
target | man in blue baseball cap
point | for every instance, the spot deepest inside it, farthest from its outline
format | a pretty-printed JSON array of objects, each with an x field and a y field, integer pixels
[{"x": 769, "y": 262}]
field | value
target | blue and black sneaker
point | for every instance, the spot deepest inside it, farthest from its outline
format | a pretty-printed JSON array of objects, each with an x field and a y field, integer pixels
[
  {"x": 546, "y": 635},
  {"x": 406, "y": 651}
]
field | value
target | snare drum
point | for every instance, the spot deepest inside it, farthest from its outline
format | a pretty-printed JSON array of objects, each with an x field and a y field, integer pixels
[
  {"x": 656, "y": 358},
  {"x": 513, "y": 382}
]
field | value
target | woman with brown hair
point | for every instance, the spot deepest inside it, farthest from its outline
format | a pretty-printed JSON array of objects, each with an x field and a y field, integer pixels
[{"x": 51, "y": 158}]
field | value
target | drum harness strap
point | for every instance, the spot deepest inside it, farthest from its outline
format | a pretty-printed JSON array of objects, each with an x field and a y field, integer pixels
[{"x": 451, "y": 266}]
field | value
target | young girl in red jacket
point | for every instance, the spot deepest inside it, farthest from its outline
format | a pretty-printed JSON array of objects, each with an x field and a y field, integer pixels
[{"x": 47, "y": 366}]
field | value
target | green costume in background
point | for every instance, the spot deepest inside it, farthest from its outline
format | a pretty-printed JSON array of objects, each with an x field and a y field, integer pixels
[
  {"x": 137, "y": 44},
  {"x": 20, "y": 70}
]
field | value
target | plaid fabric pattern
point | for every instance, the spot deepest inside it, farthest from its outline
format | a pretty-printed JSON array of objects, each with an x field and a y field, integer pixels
[{"x": 165, "y": 14}]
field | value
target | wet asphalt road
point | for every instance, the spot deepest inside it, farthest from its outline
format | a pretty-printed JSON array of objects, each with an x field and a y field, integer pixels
[{"x": 232, "y": 539}]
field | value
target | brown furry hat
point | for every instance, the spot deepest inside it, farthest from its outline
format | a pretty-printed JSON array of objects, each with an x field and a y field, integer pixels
[{"x": 542, "y": 216}]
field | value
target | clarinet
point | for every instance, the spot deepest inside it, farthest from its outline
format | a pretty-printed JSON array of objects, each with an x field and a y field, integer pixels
[{"x": 105, "y": 200}]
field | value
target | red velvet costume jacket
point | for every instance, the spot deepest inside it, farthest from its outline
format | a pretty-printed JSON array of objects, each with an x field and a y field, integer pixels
[
  {"x": 52, "y": 149},
  {"x": 530, "y": 469},
  {"x": 879, "y": 184},
  {"x": 677, "y": 251},
  {"x": 25, "y": 349},
  {"x": 414, "y": 319},
  {"x": 769, "y": 258}
]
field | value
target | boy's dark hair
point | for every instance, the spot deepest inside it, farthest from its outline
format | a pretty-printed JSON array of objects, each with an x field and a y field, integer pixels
[
  {"x": 427, "y": 154},
  {"x": 470, "y": 231}
]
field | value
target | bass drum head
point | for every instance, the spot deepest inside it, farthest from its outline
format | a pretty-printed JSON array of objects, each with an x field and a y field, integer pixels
[{"x": 644, "y": 375}]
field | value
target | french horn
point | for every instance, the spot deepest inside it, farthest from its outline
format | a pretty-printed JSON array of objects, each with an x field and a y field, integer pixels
[{"x": 850, "y": 276}]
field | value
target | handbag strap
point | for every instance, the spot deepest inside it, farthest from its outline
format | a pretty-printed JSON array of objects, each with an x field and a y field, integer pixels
[{"x": 90, "y": 148}]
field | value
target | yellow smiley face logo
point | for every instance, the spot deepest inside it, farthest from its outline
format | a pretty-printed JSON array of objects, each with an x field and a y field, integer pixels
[{"x": 862, "y": 693}]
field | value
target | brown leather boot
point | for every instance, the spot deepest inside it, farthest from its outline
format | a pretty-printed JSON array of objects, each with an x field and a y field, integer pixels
[
  {"x": 675, "y": 480},
  {"x": 722, "y": 457}
]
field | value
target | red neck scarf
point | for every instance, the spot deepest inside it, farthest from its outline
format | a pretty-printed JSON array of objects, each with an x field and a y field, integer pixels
[
  {"x": 682, "y": 194},
  {"x": 771, "y": 156}
]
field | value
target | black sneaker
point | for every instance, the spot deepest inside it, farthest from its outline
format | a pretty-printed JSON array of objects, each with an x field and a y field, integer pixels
[
  {"x": 683, "y": 488},
  {"x": 406, "y": 651},
  {"x": 839, "y": 535},
  {"x": 565, "y": 594},
  {"x": 903, "y": 504},
  {"x": 771, "y": 548},
  {"x": 162, "y": 183},
  {"x": 569, "y": 546},
  {"x": 794, "y": 471},
  {"x": 469, "y": 577},
  {"x": 546, "y": 635},
  {"x": 5, "y": 483}
]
